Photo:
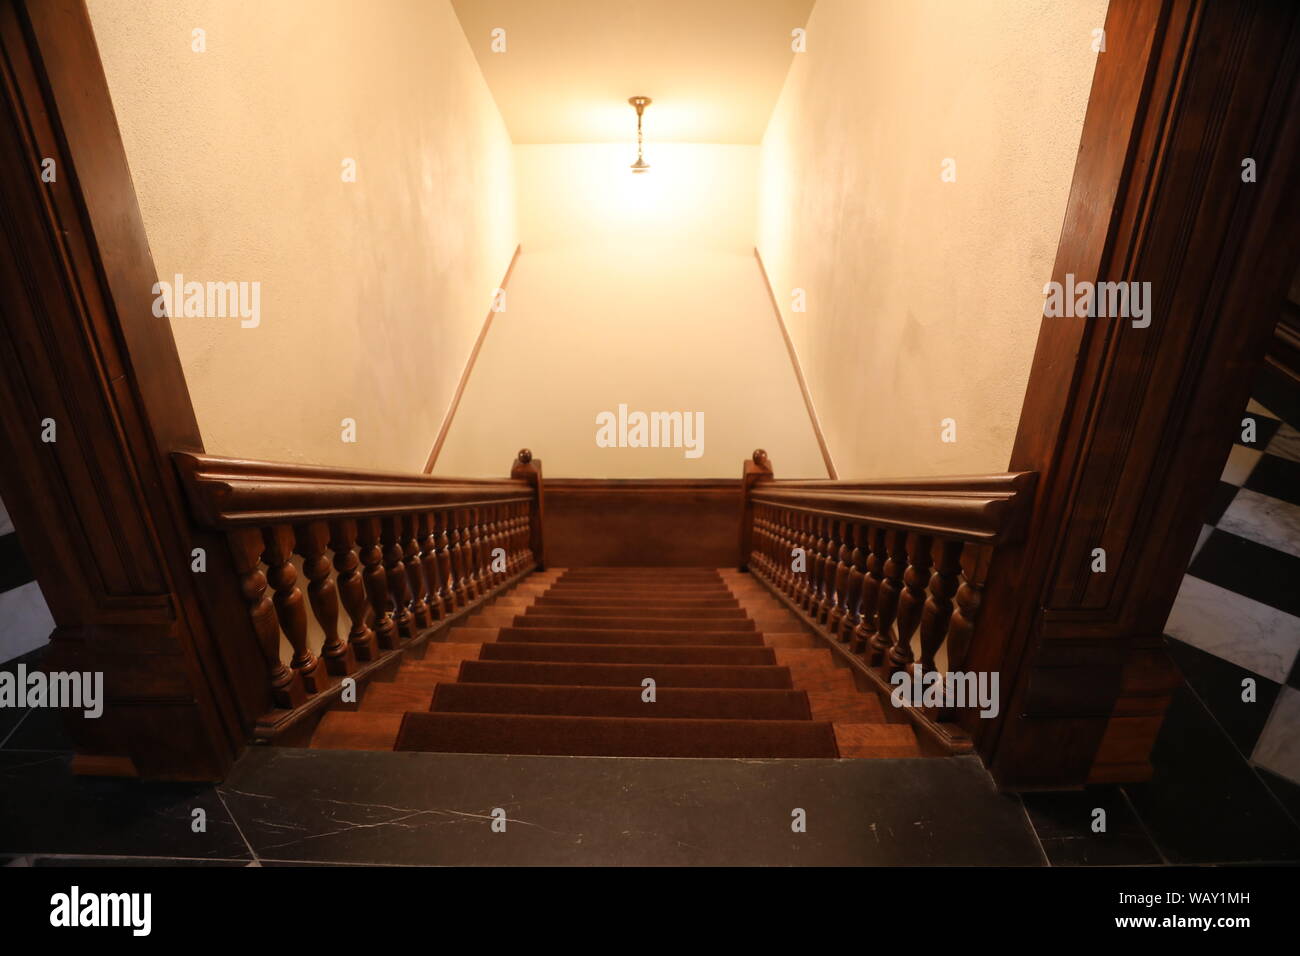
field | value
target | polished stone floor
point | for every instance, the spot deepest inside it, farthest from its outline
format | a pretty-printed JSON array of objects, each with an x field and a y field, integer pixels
[{"x": 1206, "y": 804}]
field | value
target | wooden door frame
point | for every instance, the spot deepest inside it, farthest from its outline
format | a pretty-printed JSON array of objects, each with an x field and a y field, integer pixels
[
  {"x": 99, "y": 511},
  {"x": 1129, "y": 428}
]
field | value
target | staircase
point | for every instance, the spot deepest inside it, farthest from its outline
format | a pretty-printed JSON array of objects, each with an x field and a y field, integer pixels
[{"x": 557, "y": 665}]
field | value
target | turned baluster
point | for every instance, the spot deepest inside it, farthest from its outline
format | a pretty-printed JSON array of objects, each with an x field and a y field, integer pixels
[
  {"x": 840, "y": 598},
  {"x": 938, "y": 607},
  {"x": 372, "y": 557},
  {"x": 767, "y": 560},
  {"x": 508, "y": 539},
  {"x": 352, "y": 589},
  {"x": 817, "y": 567},
  {"x": 457, "y": 553},
  {"x": 399, "y": 588},
  {"x": 864, "y": 633},
  {"x": 408, "y": 526},
  {"x": 827, "y": 549},
  {"x": 912, "y": 599},
  {"x": 891, "y": 586},
  {"x": 803, "y": 579},
  {"x": 429, "y": 562},
  {"x": 312, "y": 541},
  {"x": 974, "y": 567},
  {"x": 444, "y": 522},
  {"x": 853, "y": 585},
  {"x": 246, "y": 549},
  {"x": 776, "y": 568},
  {"x": 289, "y": 605},
  {"x": 833, "y": 574},
  {"x": 490, "y": 576},
  {"x": 472, "y": 552},
  {"x": 785, "y": 558}
]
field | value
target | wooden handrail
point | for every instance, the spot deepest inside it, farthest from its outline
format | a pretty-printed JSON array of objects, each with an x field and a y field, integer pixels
[
  {"x": 983, "y": 508},
  {"x": 890, "y": 572},
  {"x": 230, "y": 492}
]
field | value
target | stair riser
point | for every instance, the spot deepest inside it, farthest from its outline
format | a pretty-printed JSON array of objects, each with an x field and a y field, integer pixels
[
  {"x": 624, "y": 675},
  {"x": 615, "y": 736},
  {"x": 670, "y": 704},
  {"x": 627, "y": 654},
  {"x": 622, "y": 610},
  {"x": 646, "y": 622},
  {"x": 573, "y": 635}
]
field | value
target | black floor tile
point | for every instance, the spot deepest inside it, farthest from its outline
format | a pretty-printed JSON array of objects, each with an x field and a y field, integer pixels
[
  {"x": 1064, "y": 824},
  {"x": 1277, "y": 478},
  {"x": 46, "y": 809},
  {"x": 422, "y": 808},
  {"x": 1287, "y": 793},
  {"x": 1294, "y": 679},
  {"x": 1218, "y": 504},
  {"x": 1204, "y": 803},
  {"x": 42, "y": 729},
  {"x": 1218, "y": 683},
  {"x": 1276, "y": 392},
  {"x": 14, "y": 570},
  {"x": 1259, "y": 572}
]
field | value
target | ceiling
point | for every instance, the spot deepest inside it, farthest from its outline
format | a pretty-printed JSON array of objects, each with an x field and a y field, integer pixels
[{"x": 714, "y": 68}]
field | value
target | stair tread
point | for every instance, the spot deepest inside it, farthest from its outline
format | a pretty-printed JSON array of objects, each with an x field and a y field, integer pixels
[
  {"x": 876, "y": 741},
  {"x": 354, "y": 730}
]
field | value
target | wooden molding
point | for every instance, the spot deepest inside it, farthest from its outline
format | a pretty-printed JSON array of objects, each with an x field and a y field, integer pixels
[
  {"x": 452, "y": 407},
  {"x": 798, "y": 370},
  {"x": 227, "y": 493},
  {"x": 1129, "y": 427}
]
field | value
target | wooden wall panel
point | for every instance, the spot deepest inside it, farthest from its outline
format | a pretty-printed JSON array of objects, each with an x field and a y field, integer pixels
[{"x": 661, "y": 522}]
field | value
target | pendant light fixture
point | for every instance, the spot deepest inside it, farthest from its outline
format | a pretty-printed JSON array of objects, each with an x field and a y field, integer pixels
[{"x": 640, "y": 103}]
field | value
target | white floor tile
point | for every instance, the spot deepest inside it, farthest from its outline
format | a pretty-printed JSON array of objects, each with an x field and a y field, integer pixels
[
  {"x": 1241, "y": 462},
  {"x": 1285, "y": 443},
  {"x": 1249, "y": 634},
  {"x": 1278, "y": 747},
  {"x": 1264, "y": 520}
]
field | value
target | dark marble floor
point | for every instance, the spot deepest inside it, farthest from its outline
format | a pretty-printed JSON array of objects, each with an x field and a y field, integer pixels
[{"x": 282, "y": 806}]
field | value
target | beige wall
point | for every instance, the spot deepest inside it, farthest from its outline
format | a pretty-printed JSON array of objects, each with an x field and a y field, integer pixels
[
  {"x": 371, "y": 292},
  {"x": 635, "y": 289},
  {"x": 923, "y": 297}
]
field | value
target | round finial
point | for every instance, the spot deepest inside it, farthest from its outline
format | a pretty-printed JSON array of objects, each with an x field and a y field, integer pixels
[
  {"x": 760, "y": 456},
  {"x": 525, "y": 456}
]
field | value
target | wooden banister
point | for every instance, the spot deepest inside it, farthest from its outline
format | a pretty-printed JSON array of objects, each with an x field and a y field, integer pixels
[
  {"x": 889, "y": 572},
  {"x": 396, "y": 555}
]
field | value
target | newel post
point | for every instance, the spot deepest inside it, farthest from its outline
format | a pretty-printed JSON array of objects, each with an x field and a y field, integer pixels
[
  {"x": 530, "y": 469},
  {"x": 757, "y": 468}
]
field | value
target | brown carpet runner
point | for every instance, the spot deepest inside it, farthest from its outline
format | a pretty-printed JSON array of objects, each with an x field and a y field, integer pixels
[
  {"x": 565, "y": 676},
  {"x": 615, "y": 736}
]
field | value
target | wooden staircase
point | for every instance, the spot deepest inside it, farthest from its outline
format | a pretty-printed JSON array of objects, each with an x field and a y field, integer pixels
[{"x": 557, "y": 665}]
